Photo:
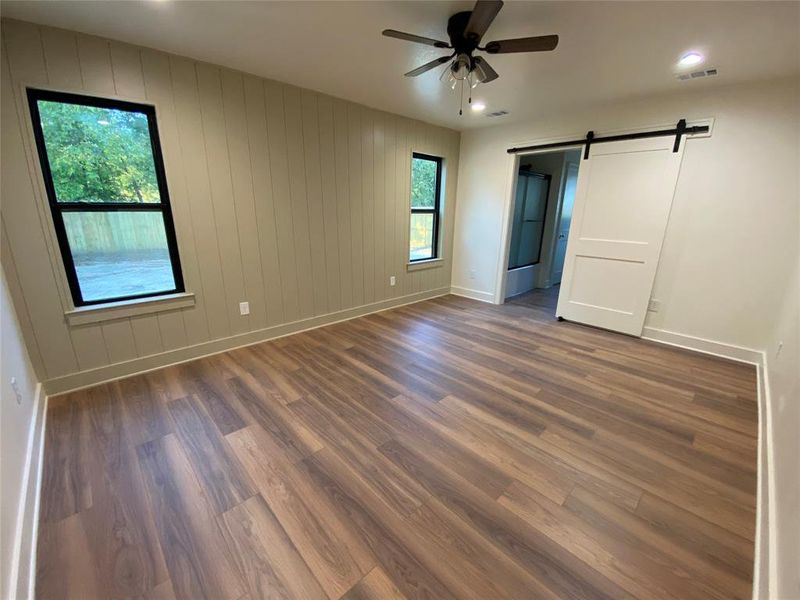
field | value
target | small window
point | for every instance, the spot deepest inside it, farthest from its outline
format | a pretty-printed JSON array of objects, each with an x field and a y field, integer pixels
[
  {"x": 426, "y": 188},
  {"x": 105, "y": 183}
]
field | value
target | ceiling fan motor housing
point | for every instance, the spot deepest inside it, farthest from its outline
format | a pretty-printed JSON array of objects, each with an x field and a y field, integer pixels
[{"x": 455, "y": 30}]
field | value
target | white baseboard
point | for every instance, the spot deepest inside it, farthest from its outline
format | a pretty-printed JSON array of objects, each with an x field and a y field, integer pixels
[
  {"x": 473, "y": 294},
  {"x": 22, "y": 575},
  {"x": 698, "y": 344},
  {"x": 761, "y": 554},
  {"x": 82, "y": 379}
]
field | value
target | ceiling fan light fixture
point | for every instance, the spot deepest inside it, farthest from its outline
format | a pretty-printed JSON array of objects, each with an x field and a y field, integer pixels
[
  {"x": 465, "y": 30},
  {"x": 478, "y": 106},
  {"x": 451, "y": 79},
  {"x": 478, "y": 73},
  {"x": 460, "y": 67}
]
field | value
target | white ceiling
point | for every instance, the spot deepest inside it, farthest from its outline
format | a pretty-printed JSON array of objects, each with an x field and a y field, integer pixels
[{"x": 608, "y": 50}]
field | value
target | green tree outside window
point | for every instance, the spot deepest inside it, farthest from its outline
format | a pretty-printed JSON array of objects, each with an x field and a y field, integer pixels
[{"x": 98, "y": 154}]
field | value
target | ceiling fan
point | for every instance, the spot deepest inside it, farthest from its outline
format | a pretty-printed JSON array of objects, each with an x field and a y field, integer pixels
[{"x": 465, "y": 30}]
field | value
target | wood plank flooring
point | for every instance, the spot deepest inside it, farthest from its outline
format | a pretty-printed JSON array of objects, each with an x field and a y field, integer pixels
[{"x": 446, "y": 449}]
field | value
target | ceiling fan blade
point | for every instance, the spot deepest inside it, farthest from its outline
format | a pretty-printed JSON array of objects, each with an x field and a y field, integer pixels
[
  {"x": 428, "y": 66},
  {"x": 482, "y": 16},
  {"x": 485, "y": 72},
  {"x": 410, "y": 37},
  {"x": 542, "y": 43}
]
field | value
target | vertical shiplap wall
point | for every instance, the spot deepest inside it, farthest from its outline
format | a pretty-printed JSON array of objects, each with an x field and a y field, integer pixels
[{"x": 292, "y": 200}]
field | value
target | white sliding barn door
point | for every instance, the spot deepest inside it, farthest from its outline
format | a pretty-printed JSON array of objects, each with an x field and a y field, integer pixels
[{"x": 622, "y": 205}]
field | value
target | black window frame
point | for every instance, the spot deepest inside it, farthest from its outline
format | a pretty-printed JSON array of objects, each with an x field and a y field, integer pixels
[
  {"x": 58, "y": 208},
  {"x": 436, "y": 206}
]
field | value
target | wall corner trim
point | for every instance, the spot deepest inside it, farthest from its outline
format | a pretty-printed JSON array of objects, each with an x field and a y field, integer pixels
[
  {"x": 473, "y": 294},
  {"x": 22, "y": 579},
  {"x": 765, "y": 570}
]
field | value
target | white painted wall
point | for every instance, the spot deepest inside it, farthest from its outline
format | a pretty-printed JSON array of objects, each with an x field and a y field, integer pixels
[
  {"x": 17, "y": 417},
  {"x": 724, "y": 254}
]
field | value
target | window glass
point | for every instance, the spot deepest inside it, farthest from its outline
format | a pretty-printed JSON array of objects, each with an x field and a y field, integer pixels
[
  {"x": 119, "y": 253},
  {"x": 423, "y": 183},
  {"x": 98, "y": 154},
  {"x": 421, "y": 236}
]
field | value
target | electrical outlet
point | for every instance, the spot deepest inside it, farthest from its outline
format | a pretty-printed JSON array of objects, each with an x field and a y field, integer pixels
[
  {"x": 654, "y": 305},
  {"x": 392, "y": 280},
  {"x": 472, "y": 273},
  {"x": 244, "y": 308}
]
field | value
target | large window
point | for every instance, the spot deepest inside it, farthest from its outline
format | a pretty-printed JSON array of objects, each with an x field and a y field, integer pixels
[
  {"x": 105, "y": 183},
  {"x": 426, "y": 188}
]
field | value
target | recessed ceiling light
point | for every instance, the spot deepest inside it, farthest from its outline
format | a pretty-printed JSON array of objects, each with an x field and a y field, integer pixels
[
  {"x": 478, "y": 106},
  {"x": 690, "y": 59},
  {"x": 102, "y": 122}
]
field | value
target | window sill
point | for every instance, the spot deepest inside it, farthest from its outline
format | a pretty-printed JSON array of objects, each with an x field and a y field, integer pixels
[
  {"x": 97, "y": 313},
  {"x": 421, "y": 265}
]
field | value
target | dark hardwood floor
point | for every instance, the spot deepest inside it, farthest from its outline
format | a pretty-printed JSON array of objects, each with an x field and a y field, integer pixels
[
  {"x": 446, "y": 449},
  {"x": 544, "y": 300}
]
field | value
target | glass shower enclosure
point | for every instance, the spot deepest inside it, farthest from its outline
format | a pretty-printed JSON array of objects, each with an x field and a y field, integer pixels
[{"x": 527, "y": 227}]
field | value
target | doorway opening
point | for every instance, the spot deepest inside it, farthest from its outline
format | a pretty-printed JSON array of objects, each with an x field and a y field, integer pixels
[{"x": 540, "y": 221}]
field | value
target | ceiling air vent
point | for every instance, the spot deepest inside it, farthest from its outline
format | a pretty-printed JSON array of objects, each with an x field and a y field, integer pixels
[
  {"x": 497, "y": 113},
  {"x": 697, "y": 74}
]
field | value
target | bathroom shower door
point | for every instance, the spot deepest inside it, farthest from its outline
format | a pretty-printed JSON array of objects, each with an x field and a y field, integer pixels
[{"x": 528, "y": 224}]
